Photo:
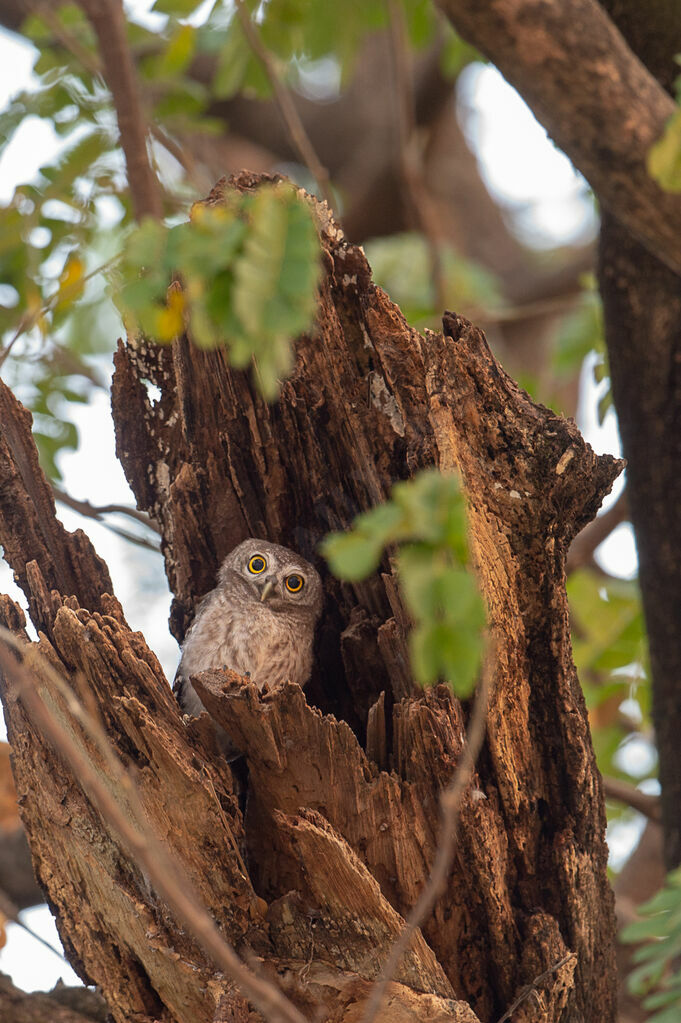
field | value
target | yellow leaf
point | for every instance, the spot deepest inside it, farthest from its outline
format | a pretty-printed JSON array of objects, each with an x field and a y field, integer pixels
[
  {"x": 70, "y": 282},
  {"x": 170, "y": 319}
]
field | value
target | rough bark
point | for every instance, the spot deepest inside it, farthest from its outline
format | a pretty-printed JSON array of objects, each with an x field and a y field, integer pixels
[
  {"x": 337, "y": 847},
  {"x": 62, "y": 1005},
  {"x": 642, "y": 306}
]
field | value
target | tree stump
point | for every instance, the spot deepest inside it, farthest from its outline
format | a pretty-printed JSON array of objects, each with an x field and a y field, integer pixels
[{"x": 341, "y": 822}]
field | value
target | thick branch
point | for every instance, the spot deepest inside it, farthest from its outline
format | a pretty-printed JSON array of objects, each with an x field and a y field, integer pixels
[{"x": 593, "y": 95}]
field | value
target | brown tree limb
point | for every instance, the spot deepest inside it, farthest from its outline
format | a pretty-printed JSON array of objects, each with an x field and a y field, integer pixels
[
  {"x": 30, "y": 529},
  {"x": 109, "y": 23},
  {"x": 98, "y": 512},
  {"x": 625, "y": 792},
  {"x": 593, "y": 95}
]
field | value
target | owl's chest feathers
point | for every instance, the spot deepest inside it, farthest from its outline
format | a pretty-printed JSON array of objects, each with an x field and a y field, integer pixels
[{"x": 251, "y": 640}]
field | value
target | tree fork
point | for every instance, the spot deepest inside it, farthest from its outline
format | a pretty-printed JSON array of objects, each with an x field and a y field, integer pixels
[{"x": 337, "y": 849}]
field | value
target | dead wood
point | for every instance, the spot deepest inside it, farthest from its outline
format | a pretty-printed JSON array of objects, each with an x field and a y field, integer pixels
[
  {"x": 62, "y": 1005},
  {"x": 334, "y": 847}
]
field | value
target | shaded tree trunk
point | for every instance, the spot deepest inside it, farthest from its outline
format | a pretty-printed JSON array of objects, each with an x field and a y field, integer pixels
[{"x": 341, "y": 822}]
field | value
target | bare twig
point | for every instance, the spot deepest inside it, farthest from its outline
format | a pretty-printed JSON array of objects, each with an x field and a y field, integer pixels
[
  {"x": 624, "y": 792},
  {"x": 531, "y": 988},
  {"x": 142, "y": 845},
  {"x": 292, "y": 120},
  {"x": 450, "y": 802},
  {"x": 108, "y": 21},
  {"x": 411, "y": 158},
  {"x": 11, "y": 912},
  {"x": 97, "y": 511}
]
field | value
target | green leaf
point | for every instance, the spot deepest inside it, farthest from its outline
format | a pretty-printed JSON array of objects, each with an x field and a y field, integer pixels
[
  {"x": 664, "y": 157},
  {"x": 351, "y": 556},
  {"x": 176, "y": 8}
]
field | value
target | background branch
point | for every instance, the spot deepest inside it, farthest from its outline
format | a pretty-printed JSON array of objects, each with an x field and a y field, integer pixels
[
  {"x": 108, "y": 20},
  {"x": 599, "y": 103}
]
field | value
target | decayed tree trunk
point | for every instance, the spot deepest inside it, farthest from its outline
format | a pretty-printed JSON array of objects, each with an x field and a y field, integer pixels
[{"x": 341, "y": 821}]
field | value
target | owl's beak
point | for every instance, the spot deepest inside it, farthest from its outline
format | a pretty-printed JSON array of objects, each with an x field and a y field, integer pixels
[{"x": 267, "y": 588}]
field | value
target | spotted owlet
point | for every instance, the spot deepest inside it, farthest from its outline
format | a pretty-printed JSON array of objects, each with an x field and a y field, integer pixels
[{"x": 259, "y": 620}]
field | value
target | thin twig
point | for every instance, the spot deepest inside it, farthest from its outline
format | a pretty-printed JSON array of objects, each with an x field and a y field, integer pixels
[
  {"x": 107, "y": 18},
  {"x": 96, "y": 511},
  {"x": 411, "y": 157},
  {"x": 450, "y": 802},
  {"x": 530, "y": 988},
  {"x": 142, "y": 845},
  {"x": 624, "y": 792},
  {"x": 296, "y": 128},
  {"x": 11, "y": 912}
]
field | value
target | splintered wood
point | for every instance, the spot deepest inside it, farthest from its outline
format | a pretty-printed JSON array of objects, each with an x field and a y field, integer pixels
[{"x": 310, "y": 871}]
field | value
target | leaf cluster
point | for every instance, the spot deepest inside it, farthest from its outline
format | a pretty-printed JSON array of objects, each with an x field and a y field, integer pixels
[
  {"x": 246, "y": 272},
  {"x": 426, "y": 519},
  {"x": 657, "y": 977}
]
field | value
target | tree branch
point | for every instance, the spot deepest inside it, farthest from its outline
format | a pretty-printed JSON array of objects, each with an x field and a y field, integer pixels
[
  {"x": 98, "y": 513},
  {"x": 108, "y": 20},
  {"x": 624, "y": 792},
  {"x": 597, "y": 101}
]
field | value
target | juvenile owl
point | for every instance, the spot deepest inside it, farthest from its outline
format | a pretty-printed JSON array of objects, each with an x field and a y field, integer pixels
[{"x": 259, "y": 620}]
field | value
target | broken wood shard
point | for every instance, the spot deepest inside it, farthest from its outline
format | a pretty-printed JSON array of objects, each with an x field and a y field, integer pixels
[{"x": 342, "y": 817}]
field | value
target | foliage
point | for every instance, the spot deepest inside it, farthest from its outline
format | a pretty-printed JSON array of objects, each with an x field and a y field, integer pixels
[
  {"x": 657, "y": 977},
  {"x": 401, "y": 265},
  {"x": 76, "y": 213},
  {"x": 248, "y": 271},
  {"x": 426, "y": 519},
  {"x": 610, "y": 651}
]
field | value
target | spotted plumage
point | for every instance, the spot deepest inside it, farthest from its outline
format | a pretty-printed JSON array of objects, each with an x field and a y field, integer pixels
[{"x": 259, "y": 620}]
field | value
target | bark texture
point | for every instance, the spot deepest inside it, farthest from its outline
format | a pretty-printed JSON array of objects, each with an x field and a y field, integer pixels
[
  {"x": 62, "y": 1005},
  {"x": 642, "y": 307},
  {"x": 341, "y": 821}
]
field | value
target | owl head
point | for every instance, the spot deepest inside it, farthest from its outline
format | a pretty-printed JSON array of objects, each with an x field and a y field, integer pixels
[{"x": 274, "y": 576}]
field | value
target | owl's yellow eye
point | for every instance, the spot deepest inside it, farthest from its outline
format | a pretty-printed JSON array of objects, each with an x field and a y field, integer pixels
[
  {"x": 257, "y": 564},
  {"x": 294, "y": 583}
]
